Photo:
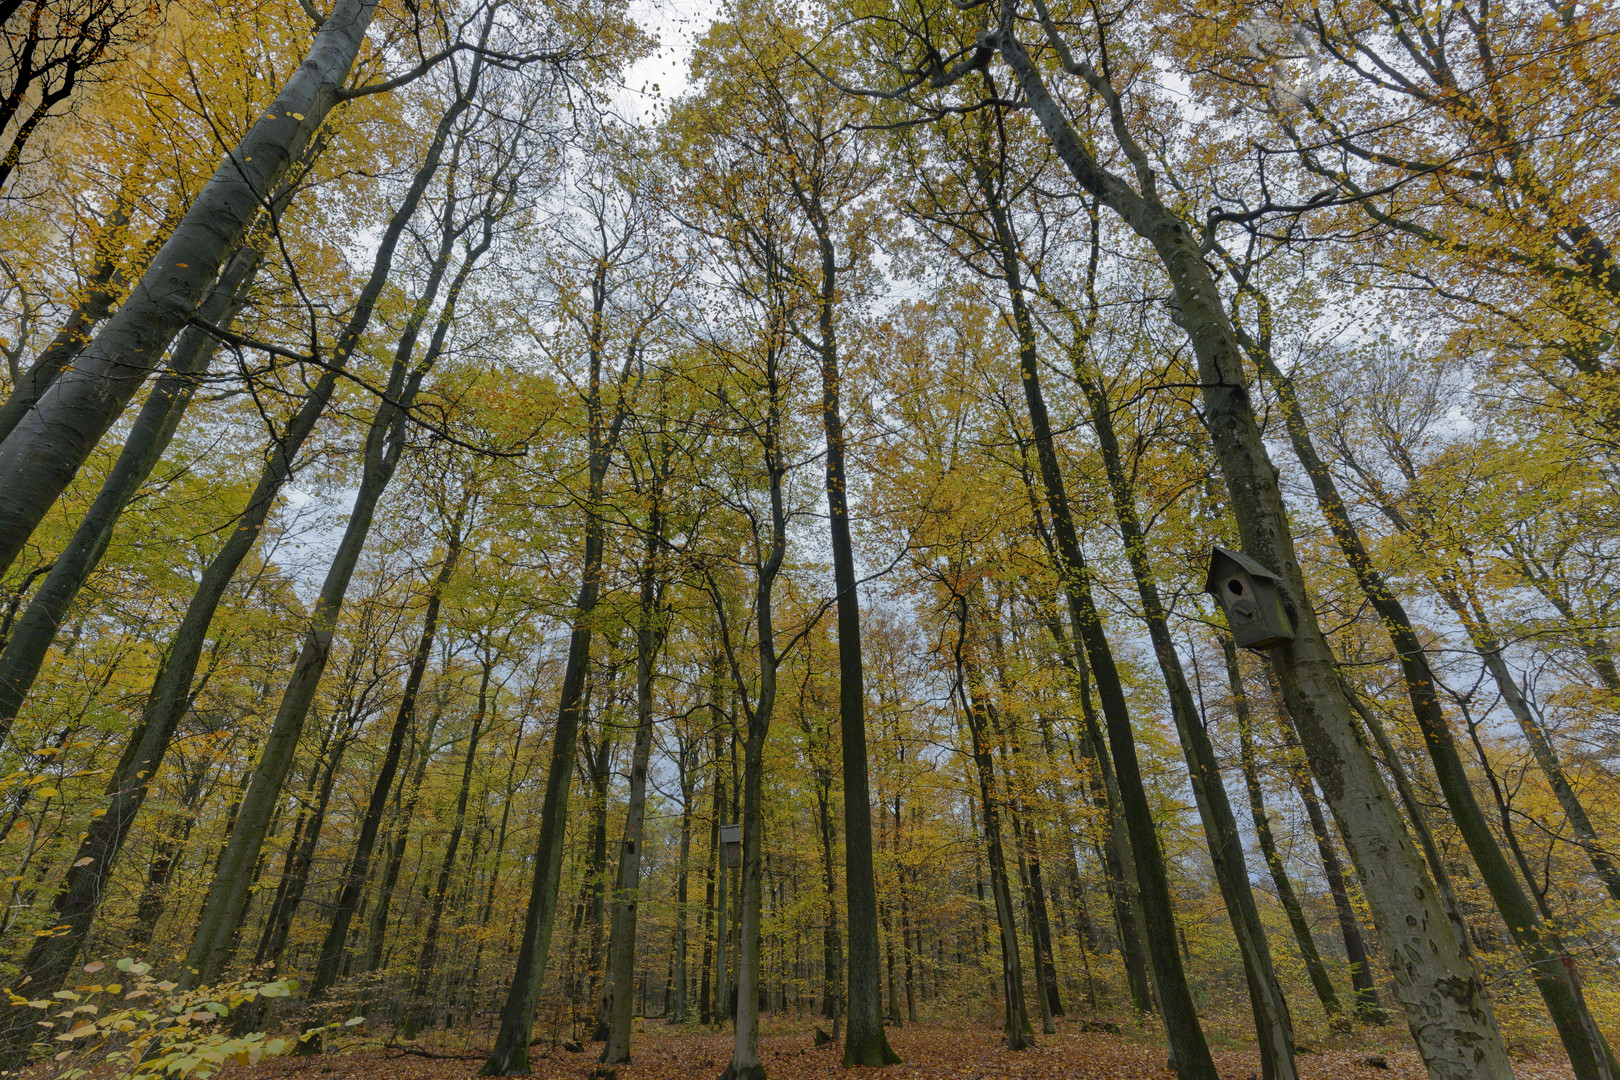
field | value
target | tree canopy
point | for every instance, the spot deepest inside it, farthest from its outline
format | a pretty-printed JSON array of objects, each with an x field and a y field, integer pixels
[{"x": 1071, "y": 518}]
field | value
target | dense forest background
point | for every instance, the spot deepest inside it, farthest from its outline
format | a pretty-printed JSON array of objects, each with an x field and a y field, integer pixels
[{"x": 446, "y": 482}]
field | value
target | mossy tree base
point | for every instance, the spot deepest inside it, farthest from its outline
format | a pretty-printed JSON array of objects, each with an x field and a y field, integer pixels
[
  {"x": 874, "y": 1052},
  {"x": 514, "y": 1064}
]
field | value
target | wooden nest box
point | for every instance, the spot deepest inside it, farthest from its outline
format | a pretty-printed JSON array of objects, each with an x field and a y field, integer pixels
[
  {"x": 731, "y": 840},
  {"x": 1248, "y": 593}
]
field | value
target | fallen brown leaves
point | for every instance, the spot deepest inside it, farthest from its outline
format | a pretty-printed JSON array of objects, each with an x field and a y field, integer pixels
[{"x": 931, "y": 1052}]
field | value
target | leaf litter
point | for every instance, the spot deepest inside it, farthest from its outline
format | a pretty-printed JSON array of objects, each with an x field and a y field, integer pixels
[{"x": 931, "y": 1052}]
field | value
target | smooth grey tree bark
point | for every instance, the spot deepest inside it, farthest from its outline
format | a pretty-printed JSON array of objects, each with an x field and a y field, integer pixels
[
  {"x": 52, "y": 439},
  {"x": 1416, "y": 811},
  {"x": 225, "y": 906},
  {"x": 50, "y": 960},
  {"x": 148, "y": 439},
  {"x": 1449, "y": 1014},
  {"x": 1286, "y": 896}
]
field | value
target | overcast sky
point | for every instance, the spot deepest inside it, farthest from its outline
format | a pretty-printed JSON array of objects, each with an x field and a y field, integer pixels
[{"x": 676, "y": 24}]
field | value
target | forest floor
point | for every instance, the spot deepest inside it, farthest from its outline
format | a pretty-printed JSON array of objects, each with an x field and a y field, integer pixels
[{"x": 939, "y": 1051}]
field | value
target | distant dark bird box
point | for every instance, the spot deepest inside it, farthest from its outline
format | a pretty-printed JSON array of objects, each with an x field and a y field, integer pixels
[
  {"x": 731, "y": 840},
  {"x": 1248, "y": 593}
]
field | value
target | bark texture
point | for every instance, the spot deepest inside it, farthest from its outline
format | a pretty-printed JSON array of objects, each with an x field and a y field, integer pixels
[
  {"x": 51, "y": 441},
  {"x": 1447, "y": 1010}
]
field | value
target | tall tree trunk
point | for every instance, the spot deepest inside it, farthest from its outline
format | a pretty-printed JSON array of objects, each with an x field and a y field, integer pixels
[
  {"x": 330, "y": 959},
  {"x": 302, "y": 852},
  {"x": 1016, "y": 1029},
  {"x": 50, "y": 960},
  {"x": 757, "y": 714},
  {"x": 832, "y": 948},
  {"x": 51, "y": 441},
  {"x": 1090, "y": 758},
  {"x": 1119, "y": 864},
  {"x": 1009, "y": 746},
  {"x": 909, "y": 952},
  {"x": 154, "y": 427},
  {"x": 1188, "y": 1048},
  {"x": 865, "y": 1042},
  {"x": 428, "y": 956},
  {"x": 485, "y": 917},
  {"x": 1552, "y": 964},
  {"x": 1040, "y": 924},
  {"x": 723, "y": 999},
  {"x": 1416, "y": 810},
  {"x": 886, "y": 920},
  {"x": 171, "y": 844},
  {"x": 223, "y": 909},
  {"x": 1450, "y": 1015},
  {"x": 1071, "y": 865},
  {"x": 679, "y": 1005},
  {"x": 627, "y": 890},
  {"x": 1286, "y": 896},
  {"x": 1273, "y": 1027},
  {"x": 267, "y": 935},
  {"x": 745, "y": 1063},
  {"x": 377, "y": 932},
  {"x": 510, "y": 1054},
  {"x": 708, "y": 1013},
  {"x": 1135, "y": 902},
  {"x": 598, "y": 766},
  {"x": 385, "y": 441}
]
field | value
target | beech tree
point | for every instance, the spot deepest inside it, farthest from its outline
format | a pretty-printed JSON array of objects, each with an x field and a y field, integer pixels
[
  {"x": 49, "y": 444},
  {"x": 851, "y": 428},
  {"x": 617, "y": 313},
  {"x": 1393, "y": 875}
]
